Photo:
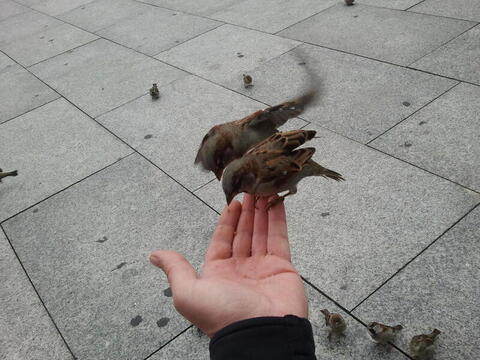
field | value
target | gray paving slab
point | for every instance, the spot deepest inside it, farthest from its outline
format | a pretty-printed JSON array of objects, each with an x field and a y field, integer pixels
[
  {"x": 204, "y": 7},
  {"x": 102, "y": 75},
  {"x": 157, "y": 30},
  {"x": 270, "y": 15},
  {"x": 390, "y": 35},
  {"x": 349, "y": 237},
  {"x": 459, "y": 9},
  {"x": 10, "y": 8},
  {"x": 226, "y": 52},
  {"x": 86, "y": 250},
  {"x": 359, "y": 98},
  {"x": 26, "y": 330},
  {"x": 169, "y": 130},
  {"x": 355, "y": 345},
  {"x": 102, "y": 13},
  {"x": 23, "y": 25},
  {"x": 459, "y": 59},
  {"x": 20, "y": 92},
  {"x": 439, "y": 289},
  {"x": 52, "y": 147},
  {"x": 442, "y": 137},
  {"x": 45, "y": 44},
  {"x": 54, "y": 7},
  {"x": 5, "y": 62},
  {"x": 392, "y": 4}
]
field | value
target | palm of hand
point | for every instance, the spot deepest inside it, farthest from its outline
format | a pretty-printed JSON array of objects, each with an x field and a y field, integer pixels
[{"x": 247, "y": 271}]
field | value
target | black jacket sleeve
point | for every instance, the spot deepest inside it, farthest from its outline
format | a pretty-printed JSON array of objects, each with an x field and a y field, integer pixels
[{"x": 265, "y": 338}]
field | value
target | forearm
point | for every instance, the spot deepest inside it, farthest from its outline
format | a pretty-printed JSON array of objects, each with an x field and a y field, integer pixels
[{"x": 265, "y": 338}]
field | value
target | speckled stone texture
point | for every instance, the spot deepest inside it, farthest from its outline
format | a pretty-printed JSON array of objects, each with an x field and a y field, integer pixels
[
  {"x": 390, "y": 35},
  {"x": 20, "y": 91},
  {"x": 392, "y": 4},
  {"x": 10, "y": 8},
  {"x": 459, "y": 58},
  {"x": 86, "y": 250},
  {"x": 350, "y": 237},
  {"x": 103, "y": 13},
  {"x": 204, "y": 7},
  {"x": 347, "y": 86},
  {"x": 459, "y": 9},
  {"x": 157, "y": 30},
  {"x": 26, "y": 330},
  {"x": 52, "y": 147},
  {"x": 442, "y": 138},
  {"x": 226, "y": 52},
  {"x": 439, "y": 289},
  {"x": 189, "y": 108},
  {"x": 102, "y": 75},
  {"x": 54, "y": 7},
  {"x": 271, "y": 15}
]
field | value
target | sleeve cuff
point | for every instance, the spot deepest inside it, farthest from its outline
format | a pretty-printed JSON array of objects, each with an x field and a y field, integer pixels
[{"x": 264, "y": 338}]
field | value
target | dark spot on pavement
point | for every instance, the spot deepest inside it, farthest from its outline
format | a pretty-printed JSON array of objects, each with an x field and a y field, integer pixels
[
  {"x": 343, "y": 287},
  {"x": 422, "y": 122},
  {"x": 177, "y": 41},
  {"x": 302, "y": 63},
  {"x": 148, "y": 136},
  {"x": 355, "y": 16},
  {"x": 103, "y": 89},
  {"x": 324, "y": 214},
  {"x": 240, "y": 55},
  {"x": 167, "y": 292},
  {"x": 174, "y": 14},
  {"x": 35, "y": 210},
  {"x": 406, "y": 144},
  {"x": 119, "y": 266},
  {"x": 405, "y": 103},
  {"x": 102, "y": 240},
  {"x": 162, "y": 322},
  {"x": 136, "y": 320},
  {"x": 65, "y": 64},
  {"x": 42, "y": 37},
  {"x": 51, "y": 40}
]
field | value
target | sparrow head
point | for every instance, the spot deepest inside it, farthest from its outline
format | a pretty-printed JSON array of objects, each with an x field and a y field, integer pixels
[
  {"x": 215, "y": 152},
  {"x": 373, "y": 328},
  {"x": 236, "y": 179}
]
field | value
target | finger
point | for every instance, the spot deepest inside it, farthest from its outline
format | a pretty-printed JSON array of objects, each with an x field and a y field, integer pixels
[
  {"x": 221, "y": 245},
  {"x": 242, "y": 241},
  {"x": 178, "y": 270},
  {"x": 277, "y": 243},
  {"x": 260, "y": 228}
]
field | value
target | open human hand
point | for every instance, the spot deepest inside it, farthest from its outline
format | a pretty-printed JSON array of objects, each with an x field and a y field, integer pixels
[{"x": 247, "y": 272}]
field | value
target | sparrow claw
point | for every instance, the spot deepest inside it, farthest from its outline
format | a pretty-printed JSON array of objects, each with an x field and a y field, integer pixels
[{"x": 274, "y": 202}]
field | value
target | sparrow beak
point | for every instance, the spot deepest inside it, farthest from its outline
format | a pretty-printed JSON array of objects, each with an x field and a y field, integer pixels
[{"x": 218, "y": 173}]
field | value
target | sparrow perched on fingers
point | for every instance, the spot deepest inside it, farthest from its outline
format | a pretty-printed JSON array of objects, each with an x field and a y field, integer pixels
[
  {"x": 229, "y": 141},
  {"x": 381, "y": 333},
  {"x": 336, "y": 323},
  {"x": 273, "y": 166},
  {"x": 9, "y": 173},
  {"x": 421, "y": 346}
]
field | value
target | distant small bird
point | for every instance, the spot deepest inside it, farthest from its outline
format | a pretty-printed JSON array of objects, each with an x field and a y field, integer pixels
[
  {"x": 421, "y": 346},
  {"x": 9, "y": 173},
  {"x": 381, "y": 333},
  {"x": 349, "y": 2},
  {"x": 154, "y": 93},
  {"x": 247, "y": 81},
  {"x": 336, "y": 323}
]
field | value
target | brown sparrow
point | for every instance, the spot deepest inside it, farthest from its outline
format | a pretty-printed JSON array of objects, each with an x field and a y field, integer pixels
[
  {"x": 229, "y": 141},
  {"x": 9, "y": 173},
  {"x": 421, "y": 346},
  {"x": 247, "y": 81},
  {"x": 154, "y": 92},
  {"x": 381, "y": 333},
  {"x": 336, "y": 323},
  {"x": 273, "y": 166}
]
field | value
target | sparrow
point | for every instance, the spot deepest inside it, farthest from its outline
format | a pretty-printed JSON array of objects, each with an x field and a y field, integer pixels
[
  {"x": 336, "y": 323},
  {"x": 154, "y": 93},
  {"x": 247, "y": 81},
  {"x": 9, "y": 173},
  {"x": 273, "y": 166},
  {"x": 349, "y": 2},
  {"x": 229, "y": 141},
  {"x": 421, "y": 346},
  {"x": 381, "y": 333}
]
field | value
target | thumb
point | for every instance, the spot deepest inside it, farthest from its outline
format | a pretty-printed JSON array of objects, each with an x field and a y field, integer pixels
[{"x": 178, "y": 270}]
